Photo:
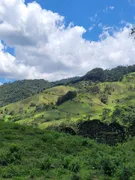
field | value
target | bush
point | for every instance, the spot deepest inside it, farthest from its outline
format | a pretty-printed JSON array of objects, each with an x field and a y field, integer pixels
[
  {"x": 75, "y": 177},
  {"x": 68, "y": 96},
  {"x": 108, "y": 166},
  {"x": 74, "y": 166},
  {"x": 45, "y": 164},
  {"x": 104, "y": 98}
]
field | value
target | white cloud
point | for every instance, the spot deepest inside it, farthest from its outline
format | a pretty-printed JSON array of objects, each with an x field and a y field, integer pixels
[
  {"x": 108, "y": 8},
  {"x": 111, "y": 7},
  {"x": 45, "y": 48},
  {"x": 94, "y": 18},
  {"x": 92, "y": 27}
]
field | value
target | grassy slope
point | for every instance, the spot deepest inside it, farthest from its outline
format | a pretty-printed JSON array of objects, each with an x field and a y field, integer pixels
[
  {"x": 87, "y": 104},
  {"x": 27, "y": 153},
  {"x": 13, "y": 92}
]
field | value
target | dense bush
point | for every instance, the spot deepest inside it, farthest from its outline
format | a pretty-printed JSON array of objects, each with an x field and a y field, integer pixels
[
  {"x": 68, "y": 96},
  {"x": 102, "y": 132}
]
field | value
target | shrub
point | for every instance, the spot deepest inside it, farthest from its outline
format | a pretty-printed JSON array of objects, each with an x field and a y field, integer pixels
[
  {"x": 75, "y": 177},
  {"x": 68, "y": 96},
  {"x": 45, "y": 164}
]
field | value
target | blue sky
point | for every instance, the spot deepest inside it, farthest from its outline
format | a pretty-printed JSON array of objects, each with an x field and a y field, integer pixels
[
  {"x": 81, "y": 12},
  {"x": 34, "y": 46}
]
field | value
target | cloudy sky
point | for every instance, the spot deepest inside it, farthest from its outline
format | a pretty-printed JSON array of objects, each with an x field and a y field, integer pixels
[{"x": 49, "y": 39}]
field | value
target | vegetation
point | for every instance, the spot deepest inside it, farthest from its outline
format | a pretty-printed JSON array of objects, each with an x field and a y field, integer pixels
[
  {"x": 30, "y": 153},
  {"x": 66, "y": 97},
  {"x": 19, "y": 90},
  {"x": 98, "y": 106},
  {"x": 13, "y": 92},
  {"x": 107, "y": 101},
  {"x": 115, "y": 74}
]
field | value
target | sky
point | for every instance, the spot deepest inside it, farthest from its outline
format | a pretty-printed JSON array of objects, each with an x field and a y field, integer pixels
[{"x": 49, "y": 39}]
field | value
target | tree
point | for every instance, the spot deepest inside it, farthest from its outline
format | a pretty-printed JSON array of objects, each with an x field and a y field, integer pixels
[{"x": 68, "y": 96}]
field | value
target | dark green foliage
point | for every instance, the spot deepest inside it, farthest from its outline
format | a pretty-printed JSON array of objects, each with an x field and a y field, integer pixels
[
  {"x": 68, "y": 130},
  {"x": 27, "y": 153},
  {"x": 115, "y": 74},
  {"x": 104, "y": 98},
  {"x": 68, "y": 96},
  {"x": 19, "y": 90},
  {"x": 131, "y": 129},
  {"x": 103, "y": 133},
  {"x": 96, "y": 74},
  {"x": 94, "y": 89},
  {"x": 67, "y": 81},
  {"x": 125, "y": 114}
]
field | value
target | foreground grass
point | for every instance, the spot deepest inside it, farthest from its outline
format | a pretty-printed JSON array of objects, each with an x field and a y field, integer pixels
[{"x": 27, "y": 153}]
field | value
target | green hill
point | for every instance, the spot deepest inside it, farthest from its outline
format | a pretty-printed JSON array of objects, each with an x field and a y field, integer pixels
[
  {"x": 31, "y": 153},
  {"x": 107, "y": 101},
  {"x": 13, "y": 92},
  {"x": 19, "y": 90}
]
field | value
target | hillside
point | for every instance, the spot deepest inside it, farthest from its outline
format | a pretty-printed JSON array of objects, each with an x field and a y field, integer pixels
[
  {"x": 13, "y": 92},
  {"x": 19, "y": 90},
  {"x": 108, "y": 102},
  {"x": 29, "y": 153},
  {"x": 30, "y": 147}
]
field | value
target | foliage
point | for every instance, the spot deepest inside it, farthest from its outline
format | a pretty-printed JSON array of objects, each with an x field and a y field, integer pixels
[
  {"x": 95, "y": 129},
  {"x": 115, "y": 74},
  {"x": 68, "y": 96},
  {"x": 13, "y": 92},
  {"x": 19, "y": 90},
  {"x": 27, "y": 153}
]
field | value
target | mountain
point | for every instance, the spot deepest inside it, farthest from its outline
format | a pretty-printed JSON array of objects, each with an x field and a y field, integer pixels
[
  {"x": 31, "y": 153},
  {"x": 106, "y": 102},
  {"x": 19, "y": 90},
  {"x": 99, "y": 100},
  {"x": 13, "y": 92},
  {"x": 79, "y": 128},
  {"x": 108, "y": 75}
]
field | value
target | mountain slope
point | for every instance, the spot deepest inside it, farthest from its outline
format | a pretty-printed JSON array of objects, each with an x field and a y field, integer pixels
[
  {"x": 108, "y": 102},
  {"x": 19, "y": 90},
  {"x": 13, "y": 92}
]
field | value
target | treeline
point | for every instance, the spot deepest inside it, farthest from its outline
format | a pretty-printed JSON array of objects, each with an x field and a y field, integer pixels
[
  {"x": 108, "y": 75},
  {"x": 13, "y": 92}
]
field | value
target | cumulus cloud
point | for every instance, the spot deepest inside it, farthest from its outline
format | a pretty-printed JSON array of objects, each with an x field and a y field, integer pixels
[{"x": 46, "y": 48}]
